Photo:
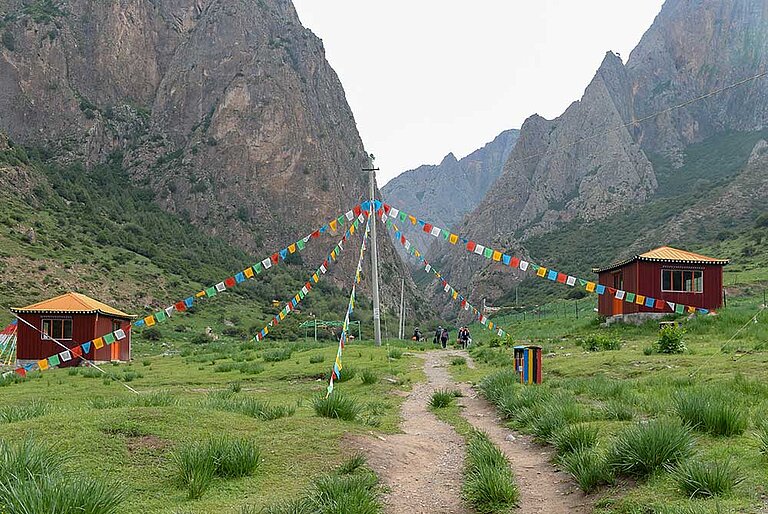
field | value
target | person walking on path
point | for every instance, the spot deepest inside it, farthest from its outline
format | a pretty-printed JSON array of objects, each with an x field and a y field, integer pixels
[
  {"x": 438, "y": 335},
  {"x": 463, "y": 337},
  {"x": 444, "y": 338}
]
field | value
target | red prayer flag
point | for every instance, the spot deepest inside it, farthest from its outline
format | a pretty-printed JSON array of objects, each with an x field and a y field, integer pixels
[
  {"x": 315, "y": 234},
  {"x": 180, "y": 306},
  {"x": 402, "y": 239},
  {"x": 21, "y": 372},
  {"x": 275, "y": 258},
  {"x": 562, "y": 277},
  {"x": 612, "y": 291},
  {"x": 357, "y": 210},
  {"x": 77, "y": 351},
  {"x": 514, "y": 262},
  {"x": 471, "y": 246},
  {"x": 661, "y": 304},
  {"x": 230, "y": 282},
  {"x": 387, "y": 208},
  {"x": 427, "y": 228},
  {"x": 308, "y": 286}
]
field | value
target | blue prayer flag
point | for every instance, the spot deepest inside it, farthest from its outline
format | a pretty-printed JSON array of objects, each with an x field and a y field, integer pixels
[
  {"x": 600, "y": 289},
  {"x": 240, "y": 277}
]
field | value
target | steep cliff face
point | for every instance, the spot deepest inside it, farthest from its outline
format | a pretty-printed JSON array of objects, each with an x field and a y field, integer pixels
[
  {"x": 227, "y": 110},
  {"x": 593, "y": 162},
  {"x": 445, "y": 193}
]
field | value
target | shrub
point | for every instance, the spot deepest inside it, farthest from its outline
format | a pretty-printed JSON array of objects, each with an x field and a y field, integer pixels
[
  {"x": 641, "y": 449},
  {"x": 344, "y": 493},
  {"x": 588, "y": 467},
  {"x": 395, "y": 353},
  {"x": 762, "y": 438},
  {"x": 574, "y": 438},
  {"x": 316, "y": 359},
  {"x": 29, "y": 410},
  {"x": 369, "y": 377},
  {"x": 251, "y": 368},
  {"x": 337, "y": 406},
  {"x": 441, "y": 399},
  {"x": 600, "y": 343},
  {"x": 489, "y": 484},
  {"x": 458, "y": 361},
  {"x": 710, "y": 412},
  {"x": 706, "y": 479},
  {"x": 671, "y": 340},
  {"x": 28, "y": 458},
  {"x": 234, "y": 458},
  {"x": 248, "y": 406},
  {"x": 277, "y": 354},
  {"x": 156, "y": 399},
  {"x": 554, "y": 416},
  {"x": 235, "y": 387},
  {"x": 152, "y": 334},
  {"x": 226, "y": 367},
  {"x": 348, "y": 373},
  {"x": 495, "y": 385}
]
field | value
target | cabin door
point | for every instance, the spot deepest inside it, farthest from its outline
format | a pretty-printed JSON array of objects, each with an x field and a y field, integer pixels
[
  {"x": 115, "y": 351},
  {"x": 618, "y": 283}
]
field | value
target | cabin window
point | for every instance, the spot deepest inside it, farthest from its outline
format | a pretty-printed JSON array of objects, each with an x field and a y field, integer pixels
[
  {"x": 57, "y": 329},
  {"x": 115, "y": 326},
  {"x": 682, "y": 281}
]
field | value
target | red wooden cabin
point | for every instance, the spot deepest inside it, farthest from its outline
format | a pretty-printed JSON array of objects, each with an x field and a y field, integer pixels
[
  {"x": 71, "y": 319},
  {"x": 665, "y": 273}
]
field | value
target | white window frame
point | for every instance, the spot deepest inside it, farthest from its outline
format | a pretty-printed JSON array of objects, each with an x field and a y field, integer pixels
[
  {"x": 683, "y": 270},
  {"x": 51, "y": 320}
]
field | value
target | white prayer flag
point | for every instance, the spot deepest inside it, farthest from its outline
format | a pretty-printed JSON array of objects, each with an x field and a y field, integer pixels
[
  {"x": 571, "y": 281},
  {"x": 267, "y": 263},
  {"x": 435, "y": 231},
  {"x": 523, "y": 265},
  {"x": 119, "y": 334},
  {"x": 220, "y": 287},
  {"x": 479, "y": 249}
]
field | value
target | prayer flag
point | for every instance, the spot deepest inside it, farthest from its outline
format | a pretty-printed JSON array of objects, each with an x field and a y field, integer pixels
[
  {"x": 275, "y": 258},
  {"x": 471, "y": 246},
  {"x": 412, "y": 220},
  {"x": 230, "y": 282},
  {"x": 541, "y": 272},
  {"x": 283, "y": 254},
  {"x": 506, "y": 259},
  {"x": 479, "y": 249},
  {"x": 620, "y": 294},
  {"x": 639, "y": 299},
  {"x": 160, "y": 316},
  {"x": 200, "y": 294},
  {"x": 211, "y": 291},
  {"x": 86, "y": 347},
  {"x": 240, "y": 277},
  {"x": 671, "y": 306},
  {"x": 629, "y": 298},
  {"x": 109, "y": 338},
  {"x": 42, "y": 364},
  {"x": 119, "y": 334},
  {"x": 181, "y": 306},
  {"x": 257, "y": 268},
  {"x": 427, "y": 228},
  {"x": 189, "y": 302},
  {"x": 680, "y": 308},
  {"x": 660, "y": 304},
  {"x": 65, "y": 356},
  {"x": 53, "y": 360},
  {"x": 590, "y": 287},
  {"x": 523, "y": 265},
  {"x": 453, "y": 239},
  {"x": 98, "y": 342},
  {"x": 649, "y": 302},
  {"x": 394, "y": 212},
  {"x": 514, "y": 262},
  {"x": 600, "y": 289},
  {"x": 77, "y": 351},
  {"x": 571, "y": 281},
  {"x": 267, "y": 263},
  {"x": 149, "y": 321},
  {"x": 488, "y": 253},
  {"x": 300, "y": 244},
  {"x": 561, "y": 278},
  {"x": 552, "y": 275}
]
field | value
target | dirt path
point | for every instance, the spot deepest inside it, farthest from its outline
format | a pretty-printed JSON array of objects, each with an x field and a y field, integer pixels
[
  {"x": 543, "y": 489},
  {"x": 422, "y": 467}
]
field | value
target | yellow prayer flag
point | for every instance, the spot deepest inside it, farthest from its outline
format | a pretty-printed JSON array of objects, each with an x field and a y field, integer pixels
[
  {"x": 416, "y": 253},
  {"x": 292, "y": 248},
  {"x": 589, "y": 287},
  {"x": 496, "y": 255},
  {"x": 248, "y": 272},
  {"x": 455, "y": 294},
  {"x": 691, "y": 309},
  {"x": 490, "y": 325},
  {"x": 282, "y": 315},
  {"x": 149, "y": 321},
  {"x": 200, "y": 294},
  {"x": 542, "y": 272},
  {"x": 315, "y": 278},
  {"x": 453, "y": 238},
  {"x": 333, "y": 225},
  {"x": 98, "y": 342},
  {"x": 43, "y": 364},
  {"x": 640, "y": 299},
  {"x": 297, "y": 298},
  {"x": 352, "y": 229},
  {"x": 266, "y": 330},
  {"x": 338, "y": 362},
  {"x": 412, "y": 219}
]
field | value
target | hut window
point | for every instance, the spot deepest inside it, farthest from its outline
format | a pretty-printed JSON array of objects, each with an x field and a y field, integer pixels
[
  {"x": 57, "y": 329},
  {"x": 682, "y": 281}
]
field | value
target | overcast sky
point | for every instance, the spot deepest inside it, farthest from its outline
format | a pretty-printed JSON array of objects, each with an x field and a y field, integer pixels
[{"x": 428, "y": 77}]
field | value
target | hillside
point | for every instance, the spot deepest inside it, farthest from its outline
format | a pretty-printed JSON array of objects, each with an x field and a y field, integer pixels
[
  {"x": 588, "y": 187},
  {"x": 225, "y": 115}
]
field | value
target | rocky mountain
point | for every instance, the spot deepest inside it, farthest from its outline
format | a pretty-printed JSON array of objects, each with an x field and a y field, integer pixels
[
  {"x": 603, "y": 156},
  {"x": 227, "y": 111},
  {"x": 446, "y": 192}
]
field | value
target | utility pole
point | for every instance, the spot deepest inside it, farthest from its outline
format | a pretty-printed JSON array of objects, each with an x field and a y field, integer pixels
[
  {"x": 374, "y": 256},
  {"x": 401, "y": 327}
]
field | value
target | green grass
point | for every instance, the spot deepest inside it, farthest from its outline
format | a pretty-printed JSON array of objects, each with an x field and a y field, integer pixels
[
  {"x": 226, "y": 400},
  {"x": 713, "y": 412},
  {"x": 441, "y": 399},
  {"x": 60, "y": 494},
  {"x": 588, "y": 467},
  {"x": 698, "y": 479},
  {"x": 29, "y": 410},
  {"x": 197, "y": 464},
  {"x": 642, "y": 449},
  {"x": 369, "y": 377},
  {"x": 574, "y": 438},
  {"x": 337, "y": 406},
  {"x": 489, "y": 484}
]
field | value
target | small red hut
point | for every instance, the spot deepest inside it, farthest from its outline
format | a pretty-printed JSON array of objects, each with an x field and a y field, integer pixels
[
  {"x": 665, "y": 273},
  {"x": 71, "y": 319}
]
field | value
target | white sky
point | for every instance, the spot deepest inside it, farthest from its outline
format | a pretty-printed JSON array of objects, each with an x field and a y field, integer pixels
[{"x": 428, "y": 77}]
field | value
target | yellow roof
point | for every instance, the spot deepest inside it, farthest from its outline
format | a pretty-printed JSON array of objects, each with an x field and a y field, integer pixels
[
  {"x": 665, "y": 254},
  {"x": 73, "y": 303}
]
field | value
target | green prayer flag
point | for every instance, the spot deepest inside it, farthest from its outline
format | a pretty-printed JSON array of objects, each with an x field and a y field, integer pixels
[
  {"x": 341, "y": 219},
  {"x": 488, "y": 253},
  {"x": 534, "y": 267},
  {"x": 582, "y": 282},
  {"x": 211, "y": 291},
  {"x": 257, "y": 268},
  {"x": 445, "y": 234},
  {"x": 160, "y": 316},
  {"x": 109, "y": 338},
  {"x": 630, "y": 297},
  {"x": 389, "y": 223},
  {"x": 680, "y": 309},
  {"x": 53, "y": 360},
  {"x": 402, "y": 216},
  {"x": 300, "y": 244}
]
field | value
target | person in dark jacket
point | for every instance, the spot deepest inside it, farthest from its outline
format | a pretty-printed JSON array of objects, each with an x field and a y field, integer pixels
[
  {"x": 444, "y": 338},
  {"x": 463, "y": 337},
  {"x": 438, "y": 335}
]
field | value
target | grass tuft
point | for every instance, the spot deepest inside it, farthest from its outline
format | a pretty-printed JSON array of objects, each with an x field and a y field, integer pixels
[
  {"x": 277, "y": 354},
  {"x": 29, "y": 410},
  {"x": 489, "y": 485},
  {"x": 762, "y": 438},
  {"x": 574, "y": 438},
  {"x": 228, "y": 401},
  {"x": 352, "y": 464},
  {"x": 441, "y": 398},
  {"x": 710, "y": 412},
  {"x": 555, "y": 415},
  {"x": 395, "y": 353},
  {"x": 642, "y": 449},
  {"x": 369, "y": 377},
  {"x": 458, "y": 361},
  {"x": 706, "y": 479},
  {"x": 337, "y": 406},
  {"x": 316, "y": 359},
  {"x": 60, "y": 494},
  {"x": 588, "y": 467}
]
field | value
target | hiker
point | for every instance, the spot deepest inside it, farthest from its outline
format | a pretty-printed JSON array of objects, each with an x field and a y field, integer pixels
[
  {"x": 463, "y": 337},
  {"x": 444, "y": 338},
  {"x": 417, "y": 335},
  {"x": 438, "y": 335}
]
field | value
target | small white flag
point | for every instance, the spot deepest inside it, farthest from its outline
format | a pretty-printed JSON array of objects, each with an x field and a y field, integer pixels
[
  {"x": 394, "y": 212},
  {"x": 361, "y": 218},
  {"x": 671, "y": 305},
  {"x": 322, "y": 269},
  {"x": 65, "y": 356},
  {"x": 220, "y": 287},
  {"x": 428, "y": 268},
  {"x": 447, "y": 288},
  {"x": 119, "y": 334},
  {"x": 479, "y": 249},
  {"x": 523, "y": 265},
  {"x": 435, "y": 231},
  {"x": 620, "y": 294},
  {"x": 571, "y": 281},
  {"x": 169, "y": 310},
  {"x": 267, "y": 263},
  {"x": 350, "y": 215}
]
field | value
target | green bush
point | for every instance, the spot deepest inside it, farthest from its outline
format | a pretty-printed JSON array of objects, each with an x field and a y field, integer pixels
[
  {"x": 641, "y": 449},
  {"x": 588, "y": 467},
  {"x": 277, "y": 354},
  {"x": 351, "y": 465},
  {"x": 574, "y": 438},
  {"x": 458, "y": 361},
  {"x": 618, "y": 410},
  {"x": 711, "y": 412},
  {"x": 28, "y": 458},
  {"x": 316, "y": 359},
  {"x": 60, "y": 494},
  {"x": 600, "y": 343},
  {"x": 369, "y": 377},
  {"x": 489, "y": 484},
  {"x": 706, "y": 479},
  {"x": 554, "y": 416},
  {"x": 441, "y": 399},
  {"x": 29, "y": 410},
  {"x": 395, "y": 353},
  {"x": 337, "y": 406},
  {"x": 495, "y": 385},
  {"x": 228, "y": 401},
  {"x": 671, "y": 340}
]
